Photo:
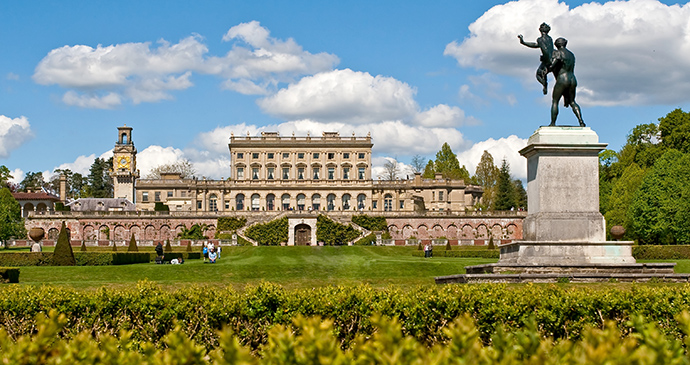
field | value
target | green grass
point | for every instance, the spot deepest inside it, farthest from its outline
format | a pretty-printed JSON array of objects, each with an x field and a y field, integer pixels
[{"x": 291, "y": 267}]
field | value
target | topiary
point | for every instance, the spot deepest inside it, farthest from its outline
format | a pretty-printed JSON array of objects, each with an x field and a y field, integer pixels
[
  {"x": 189, "y": 246},
  {"x": 168, "y": 248},
  {"x": 114, "y": 246},
  {"x": 491, "y": 243},
  {"x": 63, "y": 255},
  {"x": 132, "y": 245},
  {"x": 83, "y": 246},
  {"x": 448, "y": 246}
]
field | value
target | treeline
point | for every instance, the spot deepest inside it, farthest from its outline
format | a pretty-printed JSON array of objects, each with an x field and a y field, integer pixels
[{"x": 645, "y": 186}]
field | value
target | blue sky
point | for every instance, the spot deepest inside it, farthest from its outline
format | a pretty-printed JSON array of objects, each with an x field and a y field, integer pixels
[{"x": 415, "y": 74}]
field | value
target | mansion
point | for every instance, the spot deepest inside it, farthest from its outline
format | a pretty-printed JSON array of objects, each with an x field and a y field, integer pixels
[{"x": 275, "y": 173}]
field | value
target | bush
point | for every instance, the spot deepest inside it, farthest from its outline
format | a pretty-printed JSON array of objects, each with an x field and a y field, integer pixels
[
  {"x": 485, "y": 254},
  {"x": 160, "y": 207},
  {"x": 370, "y": 223},
  {"x": 92, "y": 258},
  {"x": 367, "y": 240},
  {"x": 9, "y": 274},
  {"x": 132, "y": 245},
  {"x": 168, "y": 248},
  {"x": 334, "y": 233},
  {"x": 196, "y": 232},
  {"x": 63, "y": 254},
  {"x": 665, "y": 252},
  {"x": 230, "y": 224},
  {"x": 272, "y": 233}
]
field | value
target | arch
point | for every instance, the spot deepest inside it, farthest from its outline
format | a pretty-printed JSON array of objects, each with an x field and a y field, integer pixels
[
  {"x": 452, "y": 231},
  {"x": 89, "y": 233},
  {"x": 407, "y": 231},
  {"x": 285, "y": 201},
  {"x": 497, "y": 231},
  {"x": 123, "y": 138},
  {"x": 330, "y": 202},
  {"x": 394, "y": 231},
  {"x": 301, "y": 201},
  {"x": 302, "y": 235},
  {"x": 41, "y": 207},
  {"x": 53, "y": 234},
  {"x": 256, "y": 202},
  {"x": 512, "y": 232},
  {"x": 136, "y": 230},
  {"x": 150, "y": 233},
  {"x": 361, "y": 201},
  {"x": 104, "y": 232},
  {"x": 119, "y": 233},
  {"x": 422, "y": 231},
  {"x": 387, "y": 203},
  {"x": 270, "y": 202},
  {"x": 210, "y": 231},
  {"x": 179, "y": 229},
  {"x": 239, "y": 202},
  {"x": 165, "y": 233},
  {"x": 467, "y": 232},
  {"x": 437, "y": 231},
  {"x": 316, "y": 201},
  {"x": 213, "y": 203},
  {"x": 346, "y": 202},
  {"x": 28, "y": 207},
  {"x": 482, "y": 232}
]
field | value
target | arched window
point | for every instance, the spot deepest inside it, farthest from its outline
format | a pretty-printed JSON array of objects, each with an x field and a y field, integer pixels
[
  {"x": 124, "y": 138},
  {"x": 361, "y": 201},
  {"x": 330, "y": 202},
  {"x": 387, "y": 203},
  {"x": 301, "y": 201},
  {"x": 270, "y": 202},
  {"x": 316, "y": 201},
  {"x": 285, "y": 199},
  {"x": 239, "y": 202},
  {"x": 255, "y": 202},
  {"x": 213, "y": 203},
  {"x": 346, "y": 201}
]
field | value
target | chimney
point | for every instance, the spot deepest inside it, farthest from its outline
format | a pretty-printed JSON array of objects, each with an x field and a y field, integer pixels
[{"x": 63, "y": 188}]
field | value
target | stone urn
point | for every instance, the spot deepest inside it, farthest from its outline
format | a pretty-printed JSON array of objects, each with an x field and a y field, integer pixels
[
  {"x": 37, "y": 234},
  {"x": 617, "y": 232}
]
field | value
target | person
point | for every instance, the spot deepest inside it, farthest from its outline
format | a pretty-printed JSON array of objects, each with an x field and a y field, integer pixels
[
  {"x": 205, "y": 251},
  {"x": 159, "y": 253},
  {"x": 426, "y": 250},
  {"x": 218, "y": 250},
  {"x": 545, "y": 43},
  {"x": 431, "y": 250},
  {"x": 212, "y": 256},
  {"x": 563, "y": 68}
]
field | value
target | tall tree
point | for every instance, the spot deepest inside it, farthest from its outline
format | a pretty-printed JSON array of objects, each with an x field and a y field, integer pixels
[
  {"x": 417, "y": 164},
  {"x": 674, "y": 129},
  {"x": 447, "y": 164},
  {"x": 182, "y": 167},
  {"x": 486, "y": 175},
  {"x": 76, "y": 183},
  {"x": 391, "y": 170},
  {"x": 32, "y": 181},
  {"x": 100, "y": 181},
  {"x": 5, "y": 176},
  {"x": 520, "y": 194},
  {"x": 622, "y": 193},
  {"x": 505, "y": 189},
  {"x": 429, "y": 170},
  {"x": 11, "y": 221}
]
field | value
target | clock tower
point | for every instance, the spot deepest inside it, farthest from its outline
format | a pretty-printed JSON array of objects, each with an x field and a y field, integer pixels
[{"x": 125, "y": 171}]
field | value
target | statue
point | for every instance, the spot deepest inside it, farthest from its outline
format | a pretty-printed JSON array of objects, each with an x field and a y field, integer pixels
[
  {"x": 563, "y": 67},
  {"x": 546, "y": 45}
]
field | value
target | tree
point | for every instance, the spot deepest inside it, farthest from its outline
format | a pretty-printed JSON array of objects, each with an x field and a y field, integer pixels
[
  {"x": 5, "y": 176},
  {"x": 621, "y": 196},
  {"x": 99, "y": 179},
  {"x": 520, "y": 194},
  {"x": 76, "y": 183},
  {"x": 660, "y": 209},
  {"x": 417, "y": 164},
  {"x": 505, "y": 189},
  {"x": 391, "y": 170},
  {"x": 63, "y": 254},
  {"x": 32, "y": 181},
  {"x": 486, "y": 175},
  {"x": 447, "y": 164},
  {"x": 132, "y": 244},
  {"x": 11, "y": 221},
  {"x": 674, "y": 129},
  {"x": 429, "y": 170},
  {"x": 182, "y": 167}
]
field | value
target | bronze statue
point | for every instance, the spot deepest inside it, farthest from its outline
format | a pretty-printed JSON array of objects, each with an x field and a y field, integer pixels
[
  {"x": 546, "y": 45},
  {"x": 563, "y": 68}
]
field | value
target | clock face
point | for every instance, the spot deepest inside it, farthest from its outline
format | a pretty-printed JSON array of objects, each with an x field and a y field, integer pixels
[{"x": 123, "y": 162}]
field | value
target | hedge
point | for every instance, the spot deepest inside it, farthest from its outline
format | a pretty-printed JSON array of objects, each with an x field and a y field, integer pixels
[
  {"x": 9, "y": 274},
  {"x": 271, "y": 233},
  {"x": 81, "y": 258},
  {"x": 150, "y": 312},
  {"x": 311, "y": 341},
  {"x": 441, "y": 251},
  {"x": 334, "y": 233},
  {"x": 665, "y": 252}
]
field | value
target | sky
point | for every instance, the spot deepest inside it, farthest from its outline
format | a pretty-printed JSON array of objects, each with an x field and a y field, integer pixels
[{"x": 414, "y": 74}]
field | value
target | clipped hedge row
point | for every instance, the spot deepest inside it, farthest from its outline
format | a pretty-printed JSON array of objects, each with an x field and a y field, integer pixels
[
  {"x": 443, "y": 252},
  {"x": 81, "y": 258},
  {"x": 311, "y": 341},
  {"x": 9, "y": 274},
  {"x": 665, "y": 252},
  {"x": 334, "y": 233},
  {"x": 271, "y": 233},
  {"x": 423, "y": 313}
]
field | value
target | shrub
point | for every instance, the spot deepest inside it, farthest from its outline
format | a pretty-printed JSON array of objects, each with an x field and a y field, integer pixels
[
  {"x": 83, "y": 246},
  {"x": 196, "y": 232},
  {"x": 132, "y": 245},
  {"x": 367, "y": 240},
  {"x": 448, "y": 246},
  {"x": 63, "y": 255},
  {"x": 189, "y": 247},
  {"x": 271, "y": 233},
  {"x": 665, "y": 252},
  {"x": 334, "y": 233},
  {"x": 9, "y": 274},
  {"x": 114, "y": 246},
  {"x": 370, "y": 223},
  {"x": 486, "y": 254},
  {"x": 160, "y": 207},
  {"x": 168, "y": 248},
  {"x": 230, "y": 224},
  {"x": 491, "y": 243}
]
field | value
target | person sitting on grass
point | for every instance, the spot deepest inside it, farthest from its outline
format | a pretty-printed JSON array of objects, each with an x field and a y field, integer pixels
[
  {"x": 212, "y": 256},
  {"x": 177, "y": 261}
]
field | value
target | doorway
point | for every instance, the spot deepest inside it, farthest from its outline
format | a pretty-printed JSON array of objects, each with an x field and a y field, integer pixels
[{"x": 302, "y": 235}]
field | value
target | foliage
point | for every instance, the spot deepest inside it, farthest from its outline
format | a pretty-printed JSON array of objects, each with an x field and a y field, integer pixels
[
  {"x": 81, "y": 258},
  {"x": 77, "y": 184},
  {"x": 168, "y": 248},
  {"x": 621, "y": 196},
  {"x": 196, "y": 232},
  {"x": 486, "y": 175},
  {"x": 182, "y": 167},
  {"x": 477, "y": 253},
  {"x": 674, "y": 129},
  {"x": 11, "y": 221},
  {"x": 447, "y": 164},
  {"x": 32, "y": 181},
  {"x": 334, "y": 233},
  {"x": 429, "y": 170},
  {"x": 505, "y": 197},
  {"x": 664, "y": 252},
  {"x": 132, "y": 244},
  {"x": 99, "y": 179},
  {"x": 367, "y": 240},
  {"x": 63, "y": 255},
  {"x": 371, "y": 223},
  {"x": 272, "y": 233},
  {"x": 231, "y": 224},
  {"x": 660, "y": 209},
  {"x": 520, "y": 194},
  {"x": 83, "y": 246},
  {"x": 5, "y": 176},
  {"x": 160, "y": 207},
  {"x": 9, "y": 274}
]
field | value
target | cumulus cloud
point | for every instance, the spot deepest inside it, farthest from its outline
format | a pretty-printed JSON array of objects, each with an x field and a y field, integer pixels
[
  {"x": 501, "y": 148},
  {"x": 628, "y": 52},
  {"x": 343, "y": 96},
  {"x": 443, "y": 116},
  {"x": 17, "y": 176},
  {"x": 13, "y": 133}
]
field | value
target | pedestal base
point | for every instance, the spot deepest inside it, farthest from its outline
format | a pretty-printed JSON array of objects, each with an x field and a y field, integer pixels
[{"x": 551, "y": 253}]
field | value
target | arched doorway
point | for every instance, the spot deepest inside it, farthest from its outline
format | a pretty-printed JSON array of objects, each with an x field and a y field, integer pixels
[{"x": 302, "y": 235}]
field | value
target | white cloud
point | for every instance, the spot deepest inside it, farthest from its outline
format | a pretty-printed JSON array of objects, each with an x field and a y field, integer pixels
[
  {"x": 13, "y": 133},
  {"x": 343, "y": 96},
  {"x": 154, "y": 156},
  {"x": 107, "y": 101},
  {"x": 17, "y": 176},
  {"x": 507, "y": 148},
  {"x": 628, "y": 52},
  {"x": 443, "y": 116}
]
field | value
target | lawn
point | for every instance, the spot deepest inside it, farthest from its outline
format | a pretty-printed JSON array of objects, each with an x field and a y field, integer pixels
[{"x": 291, "y": 267}]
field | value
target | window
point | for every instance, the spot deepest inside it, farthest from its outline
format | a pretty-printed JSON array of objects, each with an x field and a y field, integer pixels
[
  {"x": 286, "y": 173},
  {"x": 240, "y": 173},
  {"x": 331, "y": 155},
  {"x": 240, "y": 155},
  {"x": 270, "y": 155},
  {"x": 360, "y": 173},
  {"x": 360, "y": 155},
  {"x": 361, "y": 201},
  {"x": 316, "y": 173},
  {"x": 315, "y": 201},
  {"x": 255, "y": 155},
  {"x": 170, "y": 194},
  {"x": 285, "y": 200},
  {"x": 286, "y": 155},
  {"x": 374, "y": 204},
  {"x": 300, "y": 173},
  {"x": 346, "y": 155},
  {"x": 402, "y": 204},
  {"x": 300, "y": 155},
  {"x": 183, "y": 194},
  {"x": 346, "y": 201},
  {"x": 157, "y": 196},
  {"x": 330, "y": 202},
  {"x": 315, "y": 155},
  {"x": 301, "y": 201},
  {"x": 213, "y": 203},
  {"x": 331, "y": 173},
  {"x": 387, "y": 203},
  {"x": 440, "y": 195},
  {"x": 227, "y": 205},
  {"x": 270, "y": 202},
  {"x": 270, "y": 173},
  {"x": 145, "y": 196},
  {"x": 346, "y": 173},
  {"x": 255, "y": 202},
  {"x": 255, "y": 173},
  {"x": 239, "y": 202},
  {"x": 198, "y": 205}
]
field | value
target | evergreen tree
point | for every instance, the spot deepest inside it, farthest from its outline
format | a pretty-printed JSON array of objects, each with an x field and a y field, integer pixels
[
  {"x": 63, "y": 254},
  {"x": 32, "y": 181},
  {"x": 429, "y": 170},
  {"x": 520, "y": 194},
  {"x": 447, "y": 164},
  {"x": 132, "y": 245},
  {"x": 168, "y": 248},
  {"x": 621, "y": 196},
  {"x": 505, "y": 190},
  {"x": 100, "y": 181},
  {"x": 11, "y": 221},
  {"x": 486, "y": 175}
]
